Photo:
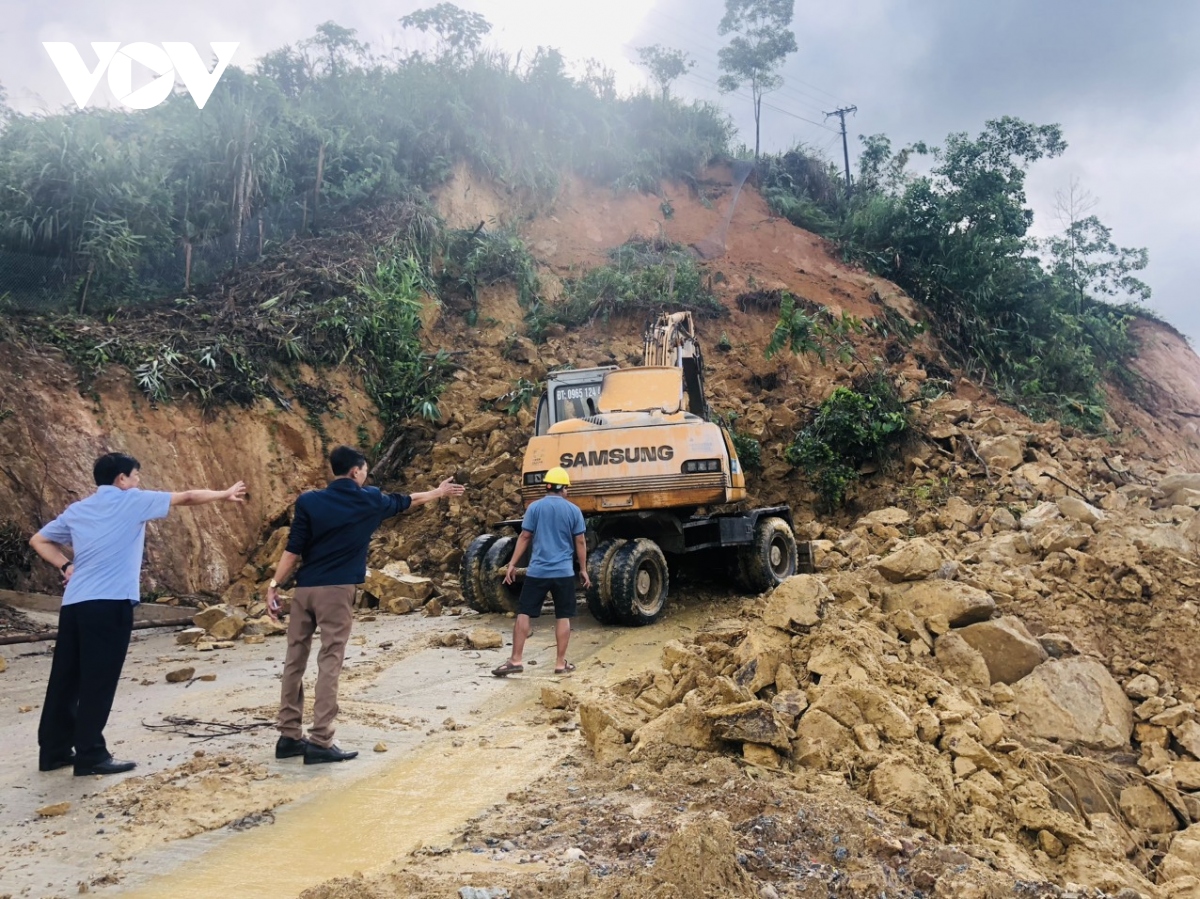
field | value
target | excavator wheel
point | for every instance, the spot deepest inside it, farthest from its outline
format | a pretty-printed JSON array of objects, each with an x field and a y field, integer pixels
[
  {"x": 638, "y": 582},
  {"x": 771, "y": 558},
  {"x": 471, "y": 573},
  {"x": 599, "y": 566},
  {"x": 500, "y": 597}
]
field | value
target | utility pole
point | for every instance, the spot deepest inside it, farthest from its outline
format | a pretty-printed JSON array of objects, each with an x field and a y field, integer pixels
[{"x": 841, "y": 114}]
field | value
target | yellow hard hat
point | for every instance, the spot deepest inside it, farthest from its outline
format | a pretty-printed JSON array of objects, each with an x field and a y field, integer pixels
[{"x": 557, "y": 475}]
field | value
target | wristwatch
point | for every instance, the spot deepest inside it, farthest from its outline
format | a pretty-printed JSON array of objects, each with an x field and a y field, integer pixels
[
  {"x": 274, "y": 584},
  {"x": 64, "y": 566}
]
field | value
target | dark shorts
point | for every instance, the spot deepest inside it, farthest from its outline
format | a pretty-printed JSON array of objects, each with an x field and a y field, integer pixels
[{"x": 533, "y": 594}]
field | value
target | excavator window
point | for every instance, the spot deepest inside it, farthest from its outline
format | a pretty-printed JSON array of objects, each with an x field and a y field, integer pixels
[{"x": 575, "y": 401}]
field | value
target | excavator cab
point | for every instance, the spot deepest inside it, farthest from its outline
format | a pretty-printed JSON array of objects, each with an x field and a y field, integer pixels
[{"x": 573, "y": 393}]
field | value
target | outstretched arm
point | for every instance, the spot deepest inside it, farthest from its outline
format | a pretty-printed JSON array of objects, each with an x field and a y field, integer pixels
[
  {"x": 446, "y": 488},
  {"x": 234, "y": 494}
]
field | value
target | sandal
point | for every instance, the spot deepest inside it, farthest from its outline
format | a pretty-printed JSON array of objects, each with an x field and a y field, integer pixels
[
  {"x": 565, "y": 669},
  {"x": 507, "y": 668}
]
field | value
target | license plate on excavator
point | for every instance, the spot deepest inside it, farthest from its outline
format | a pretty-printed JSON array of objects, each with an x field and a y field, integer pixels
[{"x": 617, "y": 501}]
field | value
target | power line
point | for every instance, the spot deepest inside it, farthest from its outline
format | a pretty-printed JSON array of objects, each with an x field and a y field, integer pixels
[{"x": 771, "y": 106}]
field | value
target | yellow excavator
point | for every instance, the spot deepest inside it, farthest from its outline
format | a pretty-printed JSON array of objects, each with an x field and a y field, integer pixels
[{"x": 651, "y": 472}]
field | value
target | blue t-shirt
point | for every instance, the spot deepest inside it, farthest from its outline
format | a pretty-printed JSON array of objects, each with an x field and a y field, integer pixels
[
  {"x": 108, "y": 533},
  {"x": 555, "y": 522},
  {"x": 332, "y": 528}
]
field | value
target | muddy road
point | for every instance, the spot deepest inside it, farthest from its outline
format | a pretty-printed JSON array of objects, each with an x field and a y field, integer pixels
[{"x": 200, "y": 815}]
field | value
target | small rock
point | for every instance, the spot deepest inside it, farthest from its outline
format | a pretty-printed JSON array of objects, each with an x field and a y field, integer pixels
[
  {"x": 179, "y": 675},
  {"x": 575, "y": 854},
  {"x": 381, "y": 747},
  {"x": 254, "y": 638},
  {"x": 207, "y": 678},
  {"x": 1143, "y": 686},
  {"x": 204, "y": 647},
  {"x": 485, "y": 638},
  {"x": 53, "y": 811},
  {"x": 223, "y": 644},
  {"x": 3, "y": 664},
  {"x": 190, "y": 635},
  {"x": 433, "y": 608}
]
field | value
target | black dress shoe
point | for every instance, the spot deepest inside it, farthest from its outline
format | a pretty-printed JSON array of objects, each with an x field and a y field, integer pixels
[
  {"x": 108, "y": 766},
  {"x": 317, "y": 755},
  {"x": 289, "y": 747},
  {"x": 53, "y": 763}
]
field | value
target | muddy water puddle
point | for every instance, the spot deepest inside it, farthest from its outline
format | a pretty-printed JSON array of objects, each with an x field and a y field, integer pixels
[{"x": 424, "y": 798}]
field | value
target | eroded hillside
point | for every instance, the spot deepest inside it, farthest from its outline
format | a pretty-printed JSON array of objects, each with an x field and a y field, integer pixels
[{"x": 989, "y": 688}]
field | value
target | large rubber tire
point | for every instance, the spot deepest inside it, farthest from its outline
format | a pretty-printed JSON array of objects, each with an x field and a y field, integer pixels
[
  {"x": 599, "y": 566},
  {"x": 638, "y": 581},
  {"x": 470, "y": 573},
  {"x": 500, "y": 596},
  {"x": 771, "y": 558}
]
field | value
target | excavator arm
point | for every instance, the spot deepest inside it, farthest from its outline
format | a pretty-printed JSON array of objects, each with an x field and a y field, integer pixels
[{"x": 671, "y": 340}]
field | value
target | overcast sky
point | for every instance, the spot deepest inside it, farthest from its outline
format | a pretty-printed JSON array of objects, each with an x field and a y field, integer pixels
[{"x": 1122, "y": 78}]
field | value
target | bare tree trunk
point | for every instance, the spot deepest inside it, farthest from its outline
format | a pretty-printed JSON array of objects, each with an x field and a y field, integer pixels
[
  {"x": 317, "y": 186},
  {"x": 187, "y": 265},
  {"x": 86, "y": 283},
  {"x": 260, "y": 234}
]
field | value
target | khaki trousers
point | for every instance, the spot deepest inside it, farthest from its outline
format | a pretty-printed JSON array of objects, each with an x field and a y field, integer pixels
[{"x": 330, "y": 609}]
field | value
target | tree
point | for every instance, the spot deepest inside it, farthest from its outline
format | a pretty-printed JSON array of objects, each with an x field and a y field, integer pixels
[
  {"x": 1085, "y": 259},
  {"x": 459, "y": 32},
  {"x": 762, "y": 39},
  {"x": 337, "y": 44},
  {"x": 665, "y": 65}
]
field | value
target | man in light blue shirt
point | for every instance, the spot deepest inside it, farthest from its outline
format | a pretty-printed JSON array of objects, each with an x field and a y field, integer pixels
[
  {"x": 107, "y": 532},
  {"x": 556, "y": 529}
]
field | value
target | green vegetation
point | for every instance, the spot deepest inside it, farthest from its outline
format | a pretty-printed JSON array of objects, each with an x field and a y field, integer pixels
[
  {"x": 643, "y": 277},
  {"x": 1024, "y": 318},
  {"x": 198, "y": 348},
  {"x": 813, "y": 330},
  {"x": 853, "y": 427},
  {"x": 474, "y": 259},
  {"x": 107, "y": 207}
]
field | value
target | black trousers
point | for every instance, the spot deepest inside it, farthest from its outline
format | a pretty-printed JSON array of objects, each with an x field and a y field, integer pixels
[{"x": 93, "y": 638}]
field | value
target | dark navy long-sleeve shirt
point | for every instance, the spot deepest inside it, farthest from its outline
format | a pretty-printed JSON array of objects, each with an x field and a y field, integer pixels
[{"x": 332, "y": 530}]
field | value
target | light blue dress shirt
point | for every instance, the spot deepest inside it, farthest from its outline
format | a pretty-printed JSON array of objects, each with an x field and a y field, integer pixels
[{"x": 108, "y": 533}]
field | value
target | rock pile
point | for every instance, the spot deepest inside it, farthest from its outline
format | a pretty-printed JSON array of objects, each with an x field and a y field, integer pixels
[{"x": 951, "y": 669}]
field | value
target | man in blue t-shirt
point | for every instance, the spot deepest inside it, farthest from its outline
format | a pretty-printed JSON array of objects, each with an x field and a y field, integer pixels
[
  {"x": 331, "y": 532},
  {"x": 107, "y": 533},
  {"x": 555, "y": 527}
]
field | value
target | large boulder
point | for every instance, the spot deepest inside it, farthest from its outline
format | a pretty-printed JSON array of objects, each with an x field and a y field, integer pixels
[
  {"x": 1144, "y": 809},
  {"x": 758, "y": 657},
  {"x": 899, "y": 786},
  {"x": 1184, "y": 855},
  {"x": 959, "y": 603},
  {"x": 398, "y": 593},
  {"x": 750, "y": 722},
  {"x": 797, "y": 604},
  {"x": 821, "y": 742},
  {"x": 961, "y": 661},
  {"x": 1003, "y": 453},
  {"x": 1008, "y": 649},
  {"x": 1075, "y": 700},
  {"x": 684, "y": 725},
  {"x": 1077, "y": 510},
  {"x": 912, "y": 561},
  {"x": 852, "y": 704}
]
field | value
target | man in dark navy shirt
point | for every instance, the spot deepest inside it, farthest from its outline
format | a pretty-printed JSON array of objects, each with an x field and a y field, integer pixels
[{"x": 331, "y": 532}]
